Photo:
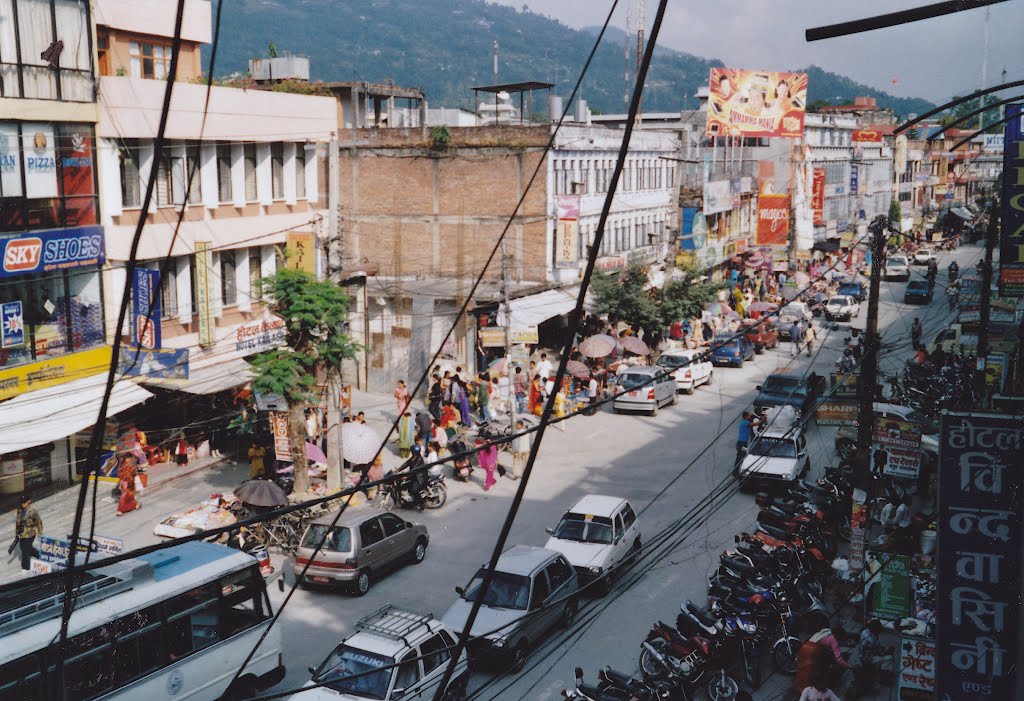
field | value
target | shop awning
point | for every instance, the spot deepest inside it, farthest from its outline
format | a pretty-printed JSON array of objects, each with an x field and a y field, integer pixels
[
  {"x": 963, "y": 213},
  {"x": 50, "y": 414},
  {"x": 533, "y": 309},
  {"x": 210, "y": 379}
]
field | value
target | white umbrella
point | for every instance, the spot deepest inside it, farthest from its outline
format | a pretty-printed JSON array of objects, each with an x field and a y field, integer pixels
[{"x": 361, "y": 443}]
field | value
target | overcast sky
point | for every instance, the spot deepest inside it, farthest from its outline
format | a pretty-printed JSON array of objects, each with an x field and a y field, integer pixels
[{"x": 934, "y": 59}]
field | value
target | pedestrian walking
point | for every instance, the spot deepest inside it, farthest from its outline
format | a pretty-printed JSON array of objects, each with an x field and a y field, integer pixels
[
  {"x": 424, "y": 425},
  {"x": 434, "y": 396},
  {"x": 809, "y": 339},
  {"x": 795, "y": 333},
  {"x": 544, "y": 367},
  {"x": 915, "y": 332},
  {"x": 401, "y": 395},
  {"x": 519, "y": 386},
  {"x": 406, "y": 429},
  {"x": 488, "y": 459},
  {"x": 257, "y": 458},
  {"x": 744, "y": 433},
  {"x": 27, "y": 526},
  {"x": 953, "y": 295},
  {"x": 126, "y": 484},
  {"x": 483, "y": 398},
  {"x": 560, "y": 409},
  {"x": 520, "y": 450}
]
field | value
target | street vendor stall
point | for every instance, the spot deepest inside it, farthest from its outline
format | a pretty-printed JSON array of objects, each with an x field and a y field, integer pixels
[{"x": 202, "y": 517}]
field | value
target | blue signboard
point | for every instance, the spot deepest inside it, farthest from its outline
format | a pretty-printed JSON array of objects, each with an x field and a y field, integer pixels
[
  {"x": 854, "y": 179},
  {"x": 53, "y": 249},
  {"x": 13, "y": 332},
  {"x": 145, "y": 321},
  {"x": 159, "y": 364}
]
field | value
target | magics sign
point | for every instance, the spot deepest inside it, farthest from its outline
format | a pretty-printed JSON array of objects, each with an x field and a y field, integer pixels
[{"x": 53, "y": 249}]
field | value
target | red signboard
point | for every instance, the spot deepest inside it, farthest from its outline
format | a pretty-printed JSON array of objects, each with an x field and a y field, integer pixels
[
  {"x": 772, "y": 220},
  {"x": 867, "y": 136},
  {"x": 818, "y": 196}
]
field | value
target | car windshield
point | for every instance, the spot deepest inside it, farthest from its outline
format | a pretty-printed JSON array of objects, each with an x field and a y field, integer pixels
[
  {"x": 634, "y": 380},
  {"x": 791, "y": 310},
  {"x": 596, "y": 529},
  {"x": 727, "y": 342},
  {"x": 839, "y": 301},
  {"x": 773, "y": 447},
  {"x": 339, "y": 540},
  {"x": 918, "y": 285},
  {"x": 784, "y": 385},
  {"x": 850, "y": 287},
  {"x": 374, "y": 674},
  {"x": 897, "y": 260},
  {"x": 673, "y": 361},
  {"x": 507, "y": 591}
]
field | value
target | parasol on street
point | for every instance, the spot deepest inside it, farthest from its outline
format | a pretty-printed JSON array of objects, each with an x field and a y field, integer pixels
[
  {"x": 597, "y": 346},
  {"x": 632, "y": 344},
  {"x": 577, "y": 369},
  {"x": 497, "y": 366},
  {"x": 261, "y": 493},
  {"x": 731, "y": 314},
  {"x": 314, "y": 453},
  {"x": 361, "y": 443},
  {"x": 762, "y": 307},
  {"x": 716, "y": 308}
]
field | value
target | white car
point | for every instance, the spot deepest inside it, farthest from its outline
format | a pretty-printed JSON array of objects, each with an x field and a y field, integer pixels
[
  {"x": 796, "y": 310},
  {"x": 897, "y": 267},
  {"x": 690, "y": 368},
  {"x": 408, "y": 650},
  {"x": 841, "y": 308},
  {"x": 596, "y": 535},
  {"x": 776, "y": 457},
  {"x": 923, "y": 255}
]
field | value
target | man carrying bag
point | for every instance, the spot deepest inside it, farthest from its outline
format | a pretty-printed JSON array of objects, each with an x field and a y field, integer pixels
[{"x": 27, "y": 526}]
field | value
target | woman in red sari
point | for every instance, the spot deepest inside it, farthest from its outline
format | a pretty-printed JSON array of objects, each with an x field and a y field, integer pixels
[
  {"x": 126, "y": 483},
  {"x": 533, "y": 401}
]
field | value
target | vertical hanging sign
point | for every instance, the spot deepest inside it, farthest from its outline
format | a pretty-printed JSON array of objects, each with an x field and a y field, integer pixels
[
  {"x": 818, "y": 196},
  {"x": 1011, "y": 244},
  {"x": 301, "y": 252},
  {"x": 203, "y": 263},
  {"x": 979, "y": 559},
  {"x": 282, "y": 443},
  {"x": 145, "y": 321},
  {"x": 568, "y": 231}
]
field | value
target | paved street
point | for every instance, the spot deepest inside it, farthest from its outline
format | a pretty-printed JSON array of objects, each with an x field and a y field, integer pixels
[{"x": 631, "y": 456}]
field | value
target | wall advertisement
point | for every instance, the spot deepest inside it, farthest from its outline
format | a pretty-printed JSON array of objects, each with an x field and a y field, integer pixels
[
  {"x": 48, "y": 373},
  {"x": 866, "y": 136},
  {"x": 204, "y": 301},
  {"x": 756, "y": 103},
  {"x": 26, "y": 253},
  {"x": 567, "y": 230},
  {"x": 13, "y": 331},
  {"x": 979, "y": 562},
  {"x": 279, "y": 428},
  {"x": 887, "y": 584},
  {"x": 916, "y": 677},
  {"x": 895, "y": 448},
  {"x": 301, "y": 247},
  {"x": 717, "y": 196},
  {"x": 146, "y": 311},
  {"x": 1011, "y": 244},
  {"x": 772, "y": 220},
  {"x": 818, "y": 196}
]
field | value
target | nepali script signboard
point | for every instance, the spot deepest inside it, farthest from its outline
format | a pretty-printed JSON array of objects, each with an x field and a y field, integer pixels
[
  {"x": 979, "y": 559},
  {"x": 756, "y": 103}
]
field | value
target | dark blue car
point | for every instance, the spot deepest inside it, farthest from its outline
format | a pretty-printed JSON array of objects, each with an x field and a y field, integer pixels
[{"x": 728, "y": 350}]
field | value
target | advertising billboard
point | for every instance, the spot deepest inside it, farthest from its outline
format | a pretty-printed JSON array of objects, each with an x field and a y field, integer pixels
[
  {"x": 146, "y": 310},
  {"x": 818, "y": 196},
  {"x": 978, "y": 591},
  {"x": 568, "y": 230},
  {"x": 51, "y": 249},
  {"x": 866, "y": 136},
  {"x": 717, "y": 196},
  {"x": 756, "y": 103},
  {"x": 772, "y": 220},
  {"x": 1011, "y": 243}
]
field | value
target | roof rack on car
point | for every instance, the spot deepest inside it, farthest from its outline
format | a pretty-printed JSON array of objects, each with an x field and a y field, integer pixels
[{"x": 394, "y": 623}]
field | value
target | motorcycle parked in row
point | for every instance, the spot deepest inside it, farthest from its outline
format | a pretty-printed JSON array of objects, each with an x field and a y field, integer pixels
[
  {"x": 692, "y": 664},
  {"x": 616, "y": 686},
  {"x": 419, "y": 490}
]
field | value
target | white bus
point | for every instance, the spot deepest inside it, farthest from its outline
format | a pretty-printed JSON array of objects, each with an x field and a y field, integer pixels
[{"x": 174, "y": 624}]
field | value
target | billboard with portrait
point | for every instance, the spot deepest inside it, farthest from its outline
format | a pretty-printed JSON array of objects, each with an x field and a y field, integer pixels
[{"x": 756, "y": 103}]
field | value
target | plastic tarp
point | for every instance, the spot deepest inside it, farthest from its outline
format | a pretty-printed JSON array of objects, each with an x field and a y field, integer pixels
[
  {"x": 50, "y": 414},
  {"x": 963, "y": 213},
  {"x": 211, "y": 378},
  {"x": 534, "y": 309}
]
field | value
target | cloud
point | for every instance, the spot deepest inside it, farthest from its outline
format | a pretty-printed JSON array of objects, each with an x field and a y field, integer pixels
[{"x": 935, "y": 59}]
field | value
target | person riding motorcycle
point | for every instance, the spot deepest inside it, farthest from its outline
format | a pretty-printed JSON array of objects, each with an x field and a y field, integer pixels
[
  {"x": 954, "y": 270},
  {"x": 415, "y": 482}
]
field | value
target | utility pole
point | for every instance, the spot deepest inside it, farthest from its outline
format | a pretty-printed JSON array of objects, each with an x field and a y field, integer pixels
[
  {"x": 795, "y": 164},
  {"x": 508, "y": 335},
  {"x": 986, "y": 294},
  {"x": 866, "y": 412},
  {"x": 984, "y": 70},
  {"x": 335, "y": 263}
]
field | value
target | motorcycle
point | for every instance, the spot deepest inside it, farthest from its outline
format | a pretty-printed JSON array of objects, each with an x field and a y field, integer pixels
[
  {"x": 431, "y": 491},
  {"x": 616, "y": 686},
  {"x": 689, "y": 663}
]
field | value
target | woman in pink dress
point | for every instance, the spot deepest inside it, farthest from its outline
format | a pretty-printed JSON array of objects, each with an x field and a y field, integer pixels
[{"x": 488, "y": 459}]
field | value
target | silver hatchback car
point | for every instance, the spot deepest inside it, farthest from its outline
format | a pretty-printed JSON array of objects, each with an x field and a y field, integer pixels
[
  {"x": 532, "y": 591},
  {"x": 364, "y": 544},
  {"x": 644, "y": 388}
]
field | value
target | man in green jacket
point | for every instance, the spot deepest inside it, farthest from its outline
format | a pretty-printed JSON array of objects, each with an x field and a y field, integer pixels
[{"x": 27, "y": 526}]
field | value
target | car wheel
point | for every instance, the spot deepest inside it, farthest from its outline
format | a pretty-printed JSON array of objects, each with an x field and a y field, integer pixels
[
  {"x": 419, "y": 551},
  {"x": 362, "y": 583},
  {"x": 806, "y": 470},
  {"x": 654, "y": 409},
  {"x": 711, "y": 379},
  {"x": 569, "y": 614},
  {"x": 244, "y": 688},
  {"x": 740, "y": 363},
  {"x": 519, "y": 655},
  {"x": 675, "y": 395},
  {"x": 456, "y": 691}
]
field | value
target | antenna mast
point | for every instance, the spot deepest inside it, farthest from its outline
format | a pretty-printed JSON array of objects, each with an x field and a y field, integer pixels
[
  {"x": 625, "y": 93},
  {"x": 984, "y": 71},
  {"x": 640, "y": 22}
]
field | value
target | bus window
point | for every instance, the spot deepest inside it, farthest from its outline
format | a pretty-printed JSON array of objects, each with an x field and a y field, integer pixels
[
  {"x": 193, "y": 620},
  {"x": 22, "y": 679},
  {"x": 244, "y": 603},
  {"x": 138, "y": 647},
  {"x": 87, "y": 670}
]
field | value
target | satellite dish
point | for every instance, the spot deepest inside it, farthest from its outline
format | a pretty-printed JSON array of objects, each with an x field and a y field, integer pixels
[{"x": 503, "y": 95}]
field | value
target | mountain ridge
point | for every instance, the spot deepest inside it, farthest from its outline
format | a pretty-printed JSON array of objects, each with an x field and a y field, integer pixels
[{"x": 445, "y": 48}]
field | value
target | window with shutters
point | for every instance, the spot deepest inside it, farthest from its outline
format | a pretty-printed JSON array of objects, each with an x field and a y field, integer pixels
[
  {"x": 300, "y": 171},
  {"x": 249, "y": 162},
  {"x": 228, "y": 286},
  {"x": 277, "y": 171},
  {"x": 224, "y": 173}
]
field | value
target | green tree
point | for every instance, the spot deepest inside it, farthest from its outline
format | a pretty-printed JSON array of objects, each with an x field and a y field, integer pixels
[
  {"x": 624, "y": 297},
  {"x": 988, "y": 118},
  {"x": 314, "y": 312},
  {"x": 895, "y": 212}
]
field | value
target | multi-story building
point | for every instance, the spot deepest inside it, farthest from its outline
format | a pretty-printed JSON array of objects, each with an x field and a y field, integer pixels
[
  {"x": 426, "y": 212},
  {"x": 52, "y": 343},
  {"x": 242, "y": 175}
]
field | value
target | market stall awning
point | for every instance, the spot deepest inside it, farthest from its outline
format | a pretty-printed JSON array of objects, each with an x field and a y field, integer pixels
[
  {"x": 209, "y": 379},
  {"x": 963, "y": 213},
  {"x": 534, "y": 309},
  {"x": 50, "y": 414}
]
